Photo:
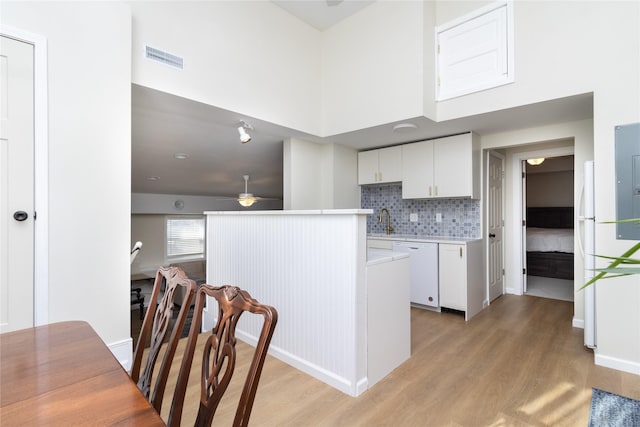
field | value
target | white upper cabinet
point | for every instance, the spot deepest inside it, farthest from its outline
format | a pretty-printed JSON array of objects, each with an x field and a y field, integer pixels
[
  {"x": 475, "y": 52},
  {"x": 380, "y": 166},
  {"x": 417, "y": 167},
  {"x": 442, "y": 168}
]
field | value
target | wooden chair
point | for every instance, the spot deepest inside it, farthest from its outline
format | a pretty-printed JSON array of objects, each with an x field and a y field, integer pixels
[
  {"x": 219, "y": 358},
  {"x": 157, "y": 323}
]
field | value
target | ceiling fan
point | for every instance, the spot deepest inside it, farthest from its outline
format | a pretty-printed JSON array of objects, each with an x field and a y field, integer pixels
[{"x": 247, "y": 199}]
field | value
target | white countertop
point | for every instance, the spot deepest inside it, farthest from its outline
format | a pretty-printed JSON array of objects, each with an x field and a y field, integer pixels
[
  {"x": 427, "y": 239},
  {"x": 378, "y": 256},
  {"x": 296, "y": 212}
]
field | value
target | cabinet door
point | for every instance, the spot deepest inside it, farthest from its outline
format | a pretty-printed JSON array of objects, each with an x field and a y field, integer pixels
[
  {"x": 390, "y": 164},
  {"x": 417, "y": 170},
  {"x": 452, "y": 275},
  {"x": 367, "y": 167},
  {"x": 453, "y": 168}
]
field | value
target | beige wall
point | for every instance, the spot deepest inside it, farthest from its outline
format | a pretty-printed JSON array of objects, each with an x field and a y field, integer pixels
[
  {"x": 89, "y": 139},
  {"x": 550, "y": 189},
  {"x": 150, "y": 230}
]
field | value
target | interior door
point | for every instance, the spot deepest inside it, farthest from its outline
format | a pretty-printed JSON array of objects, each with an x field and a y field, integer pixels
[
  {"x": 16, "y": 185},
  {"x": 495, "y": 225}
]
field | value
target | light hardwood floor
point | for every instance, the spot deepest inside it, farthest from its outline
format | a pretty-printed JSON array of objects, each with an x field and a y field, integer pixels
[{"x": 517, "y": 363}]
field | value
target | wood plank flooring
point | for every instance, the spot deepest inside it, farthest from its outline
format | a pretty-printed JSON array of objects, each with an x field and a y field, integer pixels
[{"x": 517, "y": 363}]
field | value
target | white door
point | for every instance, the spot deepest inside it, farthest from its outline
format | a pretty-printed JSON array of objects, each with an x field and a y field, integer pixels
[
  {"x": 16, "y": 185},
  {"x": 495, "y": 225}
]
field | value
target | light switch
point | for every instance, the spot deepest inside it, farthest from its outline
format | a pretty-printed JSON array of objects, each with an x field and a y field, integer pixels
[{"x": 413, "y": 217}]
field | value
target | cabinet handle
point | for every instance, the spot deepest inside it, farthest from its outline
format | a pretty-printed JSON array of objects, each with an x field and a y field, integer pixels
[
  {"x": 436, "y": 190},
  {"x": 379, "y": 176},
  {"x": 429, "y": 190},
  {"x": 460, "y": 251}
]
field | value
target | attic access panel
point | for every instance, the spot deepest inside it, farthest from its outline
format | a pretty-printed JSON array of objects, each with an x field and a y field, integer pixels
[
  {"x": 475, "y": 51},
  {"x": 627, "y": 140}
]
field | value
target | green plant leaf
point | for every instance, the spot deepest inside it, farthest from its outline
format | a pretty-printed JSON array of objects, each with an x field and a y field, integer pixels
[{"x": 613, "y": 269}]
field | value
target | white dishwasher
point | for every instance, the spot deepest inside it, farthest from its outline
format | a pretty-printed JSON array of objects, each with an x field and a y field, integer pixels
[{"x": 423, "y": 262}]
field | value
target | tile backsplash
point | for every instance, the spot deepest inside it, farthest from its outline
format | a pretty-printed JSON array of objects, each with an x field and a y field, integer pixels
[{"x": 460, "y": 217}]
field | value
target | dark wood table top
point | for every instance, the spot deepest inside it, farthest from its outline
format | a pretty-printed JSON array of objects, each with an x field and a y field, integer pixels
[{"x": 63, "y": 374}]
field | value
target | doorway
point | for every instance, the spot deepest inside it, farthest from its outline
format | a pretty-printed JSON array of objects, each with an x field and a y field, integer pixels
[{"x": 548, "y": 206}]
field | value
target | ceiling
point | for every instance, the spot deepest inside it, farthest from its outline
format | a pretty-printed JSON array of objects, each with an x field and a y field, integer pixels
[
  {"x": 322, "y": 14},
  {"x": 164, "y": 125}
]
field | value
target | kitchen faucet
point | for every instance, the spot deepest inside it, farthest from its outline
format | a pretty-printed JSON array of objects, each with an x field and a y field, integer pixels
[{"x": 389, "y": 228}]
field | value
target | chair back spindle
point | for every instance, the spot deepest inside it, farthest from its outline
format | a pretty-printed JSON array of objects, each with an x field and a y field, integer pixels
[
  {"x": 219, "y": 356},
  {"x": 158, "y": 323}
]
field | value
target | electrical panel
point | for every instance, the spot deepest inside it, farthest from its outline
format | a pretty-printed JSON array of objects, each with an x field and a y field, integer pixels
[{"x": 628, "y": 180}]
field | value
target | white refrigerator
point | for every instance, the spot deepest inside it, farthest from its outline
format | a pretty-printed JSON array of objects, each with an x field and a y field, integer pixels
[{"x": 588, "y": 248}]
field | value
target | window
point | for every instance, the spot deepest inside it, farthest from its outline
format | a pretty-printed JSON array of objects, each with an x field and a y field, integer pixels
[
  {"x": 475, "y": 52},
  {"x": 185, "y": 237}
]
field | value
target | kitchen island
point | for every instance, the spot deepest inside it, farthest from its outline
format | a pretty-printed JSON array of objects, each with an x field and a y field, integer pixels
[{"x": 338, "y": 310}]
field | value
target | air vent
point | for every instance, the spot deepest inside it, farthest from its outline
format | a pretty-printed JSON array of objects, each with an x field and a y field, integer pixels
[{"x": 164, "y": 57}]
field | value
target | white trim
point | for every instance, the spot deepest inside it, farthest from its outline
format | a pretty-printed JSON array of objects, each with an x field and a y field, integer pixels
[
  {"x": 123, "y": 351},
  {"x": 577, "y": 323},
  {"x": 41, "y": 171},
  {"x": 618, "y": 364},
  {"x": 517, "y": 278},
  {"x": 336, "y": 381}
]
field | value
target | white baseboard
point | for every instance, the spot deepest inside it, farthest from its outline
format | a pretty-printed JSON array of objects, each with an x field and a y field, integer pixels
[
  {"x": 578, "y": 323},
  {"x": 513, "y": 291},
  {"x": 618, "y": 364},
  {"x": 342, "y": 384},
  {"x": 123, "y": 351}
]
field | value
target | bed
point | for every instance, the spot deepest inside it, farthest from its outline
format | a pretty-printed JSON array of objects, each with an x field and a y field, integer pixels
[{"x": 550, "y": 242}]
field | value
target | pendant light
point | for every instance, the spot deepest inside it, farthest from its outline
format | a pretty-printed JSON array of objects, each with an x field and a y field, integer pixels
[{"x": 535, "y": 162}]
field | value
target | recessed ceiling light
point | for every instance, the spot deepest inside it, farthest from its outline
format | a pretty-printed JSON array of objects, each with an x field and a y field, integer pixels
[
  {"x": 153, "y": 178},
  {"x": 404, "y": 127},
  {"x": 181, "y": 156}
]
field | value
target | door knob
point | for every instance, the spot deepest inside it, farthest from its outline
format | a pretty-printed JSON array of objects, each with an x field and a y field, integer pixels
[
  {"x": 20, "y": 215},
  {"x": 491, "y": 235}
]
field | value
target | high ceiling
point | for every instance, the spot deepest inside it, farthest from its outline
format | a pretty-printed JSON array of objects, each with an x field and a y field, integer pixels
[
  {"x": 322, "y": 14},
  {"x": 164, "y": 125}
]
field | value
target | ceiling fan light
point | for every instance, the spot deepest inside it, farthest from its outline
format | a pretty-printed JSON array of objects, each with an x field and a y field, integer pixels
[
  {"x": 535, "y": 162},
  {"x": 244, "y": 136},
  {"x": 246, "y": 199}
]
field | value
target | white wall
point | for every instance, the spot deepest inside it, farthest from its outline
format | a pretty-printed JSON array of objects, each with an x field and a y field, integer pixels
[
  {"x": 346, "y": 191},
  {"x": 252, "y": 57},
  {"x": 89, "y": 109},
  {"x": 372, "y": 69},
  {"x": 319, "y": 176}
]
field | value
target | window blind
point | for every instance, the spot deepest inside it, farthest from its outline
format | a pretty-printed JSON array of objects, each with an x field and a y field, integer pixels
[{"x": 185, "y": 237}]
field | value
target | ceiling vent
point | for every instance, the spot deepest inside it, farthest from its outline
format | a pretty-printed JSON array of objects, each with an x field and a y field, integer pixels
[{"x": 164, "y": 57}]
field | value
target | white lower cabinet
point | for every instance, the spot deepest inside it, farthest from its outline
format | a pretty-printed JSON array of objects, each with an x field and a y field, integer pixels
[{"x": 460, "y": 277}]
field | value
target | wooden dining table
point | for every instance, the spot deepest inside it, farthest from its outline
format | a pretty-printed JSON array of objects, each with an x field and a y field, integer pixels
[{"x": 62, "y": 374}]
